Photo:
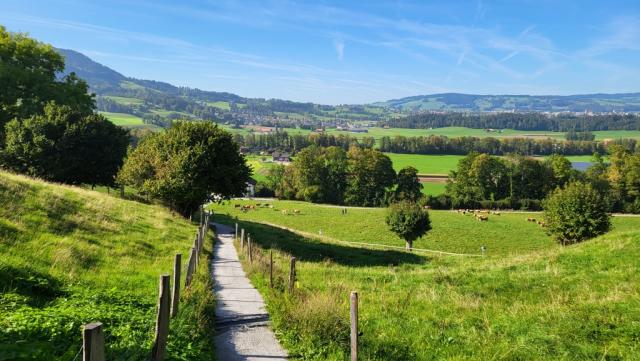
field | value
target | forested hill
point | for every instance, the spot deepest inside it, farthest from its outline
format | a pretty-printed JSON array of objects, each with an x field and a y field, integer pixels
[
  {"x": 628, "y": 102},
  {"x": 157, "y": 102}
]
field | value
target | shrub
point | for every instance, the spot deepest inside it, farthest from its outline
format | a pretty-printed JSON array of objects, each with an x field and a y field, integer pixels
[
  {"x": 408, "y": 221},
  {"x": 575, "y": 213}
]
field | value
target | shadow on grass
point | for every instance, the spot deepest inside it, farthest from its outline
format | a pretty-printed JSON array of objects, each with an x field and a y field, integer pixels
[{"x": 310, "y": 250}]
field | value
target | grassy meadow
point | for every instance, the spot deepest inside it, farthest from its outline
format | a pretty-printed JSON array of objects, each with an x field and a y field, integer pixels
[
  {"x": 508, "y": 233},
  {"x": 71, "y": 256},
  {"x": 528, "y": 299},
  {"x": 123, "y": 120}
]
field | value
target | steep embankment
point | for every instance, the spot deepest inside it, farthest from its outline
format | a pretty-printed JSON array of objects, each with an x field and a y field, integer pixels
[{"x": 69, "y": 256}]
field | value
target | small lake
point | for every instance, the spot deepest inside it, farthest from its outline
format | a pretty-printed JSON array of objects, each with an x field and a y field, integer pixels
[{"x": 581, "y": 166}]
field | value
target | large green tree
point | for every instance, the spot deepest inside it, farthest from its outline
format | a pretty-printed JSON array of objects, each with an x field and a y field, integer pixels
[
  {"x": 409, "y": 186},
  {"x": 65, "y": 145},
  {"x": 29, "y": 80},
  {"x": 575, "y": 213},
  {"x": 478, "y": 177},
  {"x": 184, "y": 165},
  {"x": 371, "y": 175},
  {"x": 408, "y": 220}
]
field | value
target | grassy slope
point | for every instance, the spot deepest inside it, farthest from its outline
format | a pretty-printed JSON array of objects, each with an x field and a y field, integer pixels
[
  {"x": 452, "y": 232},
  {"x": 123, "y": 119},
  {"x": 71, "y": 256},
  {"x": 573, "y": 303}
]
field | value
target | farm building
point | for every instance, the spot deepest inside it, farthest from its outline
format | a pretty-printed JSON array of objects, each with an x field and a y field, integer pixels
[
  {"x": 251, "y": 188},
  {"x": 283, "y": 157}
]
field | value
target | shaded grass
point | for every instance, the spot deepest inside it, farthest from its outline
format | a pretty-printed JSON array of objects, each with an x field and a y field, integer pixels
[
  {"x": 70, "y": 256},
  {"x": 573, "y": 303}
]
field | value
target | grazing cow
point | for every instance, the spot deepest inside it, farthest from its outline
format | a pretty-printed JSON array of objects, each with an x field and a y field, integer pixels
[
  {"x": 236, "y": 205},
  {"x": 285, "y": 212},
  {"x": 296, "y": 211},
  {"x": 530, "y": 219},
  {"x": 482, "y": 218},
  {"x": 270, "y": 206}
]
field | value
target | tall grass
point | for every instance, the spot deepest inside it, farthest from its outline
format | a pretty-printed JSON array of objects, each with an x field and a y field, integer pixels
[{"x": 70, "y": 256}]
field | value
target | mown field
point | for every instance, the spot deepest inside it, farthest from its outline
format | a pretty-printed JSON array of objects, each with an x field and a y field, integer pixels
[
  {"x": 528, "y": 299},
  {"x": 70, "y": 256},
  {"x": 122, "y": 119}
]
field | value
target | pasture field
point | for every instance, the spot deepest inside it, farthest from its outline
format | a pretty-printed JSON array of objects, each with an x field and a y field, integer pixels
[
  {"x": 123, "y": 120},
  {"x": 260, "y": 167},
  {"x": 125, "y": 100},
  {"x": 70, "y": 256},
  {"x": 454, "y": 132},
  {"x": 220, "y": 105},
  {"x": 443, "y": 164},
  {"x": 528, "y": 299},
  {"x": 508, "y": 233},
  {"x": 433, "y": 189}
]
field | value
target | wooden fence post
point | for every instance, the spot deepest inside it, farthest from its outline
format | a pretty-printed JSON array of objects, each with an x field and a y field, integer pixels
[
  {"x": 236, "y": 237},
  {"x": 249, "y": 249},
  {"x": 162, "y": 321},
  {"x": 292, "y": 274},
  {"x": 93, "y": 342},
  {"x": 354, "y": 326},
  {"x": 191, "y": 267},
  {"x": 242, "y": 239},
  {"x": 175, "y": 297},
  {"x": 271, "y": 269},
  {"x": 122, "y": 191}
]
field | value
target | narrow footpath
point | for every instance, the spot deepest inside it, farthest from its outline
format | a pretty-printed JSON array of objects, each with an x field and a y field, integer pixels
[{"x": 242, "y": 322}]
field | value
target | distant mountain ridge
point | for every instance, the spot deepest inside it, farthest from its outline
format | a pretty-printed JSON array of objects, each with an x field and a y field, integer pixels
[
  {"x": 158, "y": 102},
  {"x": 622, "y": 102}
]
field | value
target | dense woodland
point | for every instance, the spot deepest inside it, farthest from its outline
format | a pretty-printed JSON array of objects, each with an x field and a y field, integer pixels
[{"x": 520, "y": 121}]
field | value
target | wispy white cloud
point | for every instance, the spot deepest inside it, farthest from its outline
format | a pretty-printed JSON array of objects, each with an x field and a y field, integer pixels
[{"x": 339, "y": 46}]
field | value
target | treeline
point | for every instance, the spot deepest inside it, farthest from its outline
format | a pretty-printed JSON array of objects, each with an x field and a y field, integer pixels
[
  {"x": 429, "y": 145},
  {"x": 518, "y": 182},
  {"x": 520, "y": 121},
  {"x": 357, "y": 177},
  {"x": 295, "y": 142}
]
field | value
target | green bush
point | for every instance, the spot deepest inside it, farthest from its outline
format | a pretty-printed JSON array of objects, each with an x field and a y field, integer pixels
[
  {"x": 408, "y": 220},
  {"x": 575, "y": 213}
]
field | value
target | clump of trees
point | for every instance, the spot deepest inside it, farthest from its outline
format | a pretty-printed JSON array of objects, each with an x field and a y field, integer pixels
[
  {"x": 48, "y": 127},
  {"x": 575, "y": 213},
  {"x": 408, "y": 220},
  {"x": 63, "y": 145},
  {"x": 360, "y": 176},
  {"x": 185, "y": 165}
]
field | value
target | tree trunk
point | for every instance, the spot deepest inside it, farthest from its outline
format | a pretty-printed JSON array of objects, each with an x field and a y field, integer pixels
[{"x": 409, "y": 245}]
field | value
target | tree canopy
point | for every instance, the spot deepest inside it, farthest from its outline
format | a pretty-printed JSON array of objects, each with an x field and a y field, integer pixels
[
  {"x": 408, "y": 220},
  {"x": 29, "y": 80},
  {"x": 65, "y": 145},
  {"x": 186, "y": 164}
]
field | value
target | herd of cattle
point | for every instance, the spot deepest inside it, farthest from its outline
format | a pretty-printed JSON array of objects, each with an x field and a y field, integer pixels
[
  {"x": 247, "y": 207},
  {"x": 483, "y": 215}
]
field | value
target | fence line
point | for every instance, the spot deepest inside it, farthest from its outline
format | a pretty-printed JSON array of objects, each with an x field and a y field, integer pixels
[{"x": 93, "y": 344}]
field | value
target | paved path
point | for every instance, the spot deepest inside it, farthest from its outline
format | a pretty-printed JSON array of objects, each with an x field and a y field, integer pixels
[{"x": 242, "y": 322}]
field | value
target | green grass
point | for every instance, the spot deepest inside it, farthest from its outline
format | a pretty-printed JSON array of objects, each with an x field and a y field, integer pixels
[
  {"x": 425, "y": 163},
  {"x": 122, "y": 119},
  {"x": 125, "y": 100},
  {"x": 433, "y": 189},
  {"x": 70, "y": 256},
  {"x": 508, "y": 233},
  {"x": 220, "y": 105},
  {"x": 260, "y": 167},
  {"x": 542, "y": 303}
]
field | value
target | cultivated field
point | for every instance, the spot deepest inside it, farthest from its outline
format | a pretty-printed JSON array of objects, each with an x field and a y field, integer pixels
[
  {"x": 70, "y": 256},
  {"x": 528, "y": 299}
]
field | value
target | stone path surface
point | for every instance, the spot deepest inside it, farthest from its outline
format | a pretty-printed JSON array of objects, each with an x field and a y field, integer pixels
[{"x": 242, "y": 322}]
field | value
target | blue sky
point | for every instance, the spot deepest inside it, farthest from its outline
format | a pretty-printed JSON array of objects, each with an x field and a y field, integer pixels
[{"x": 352, "y": 52}]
